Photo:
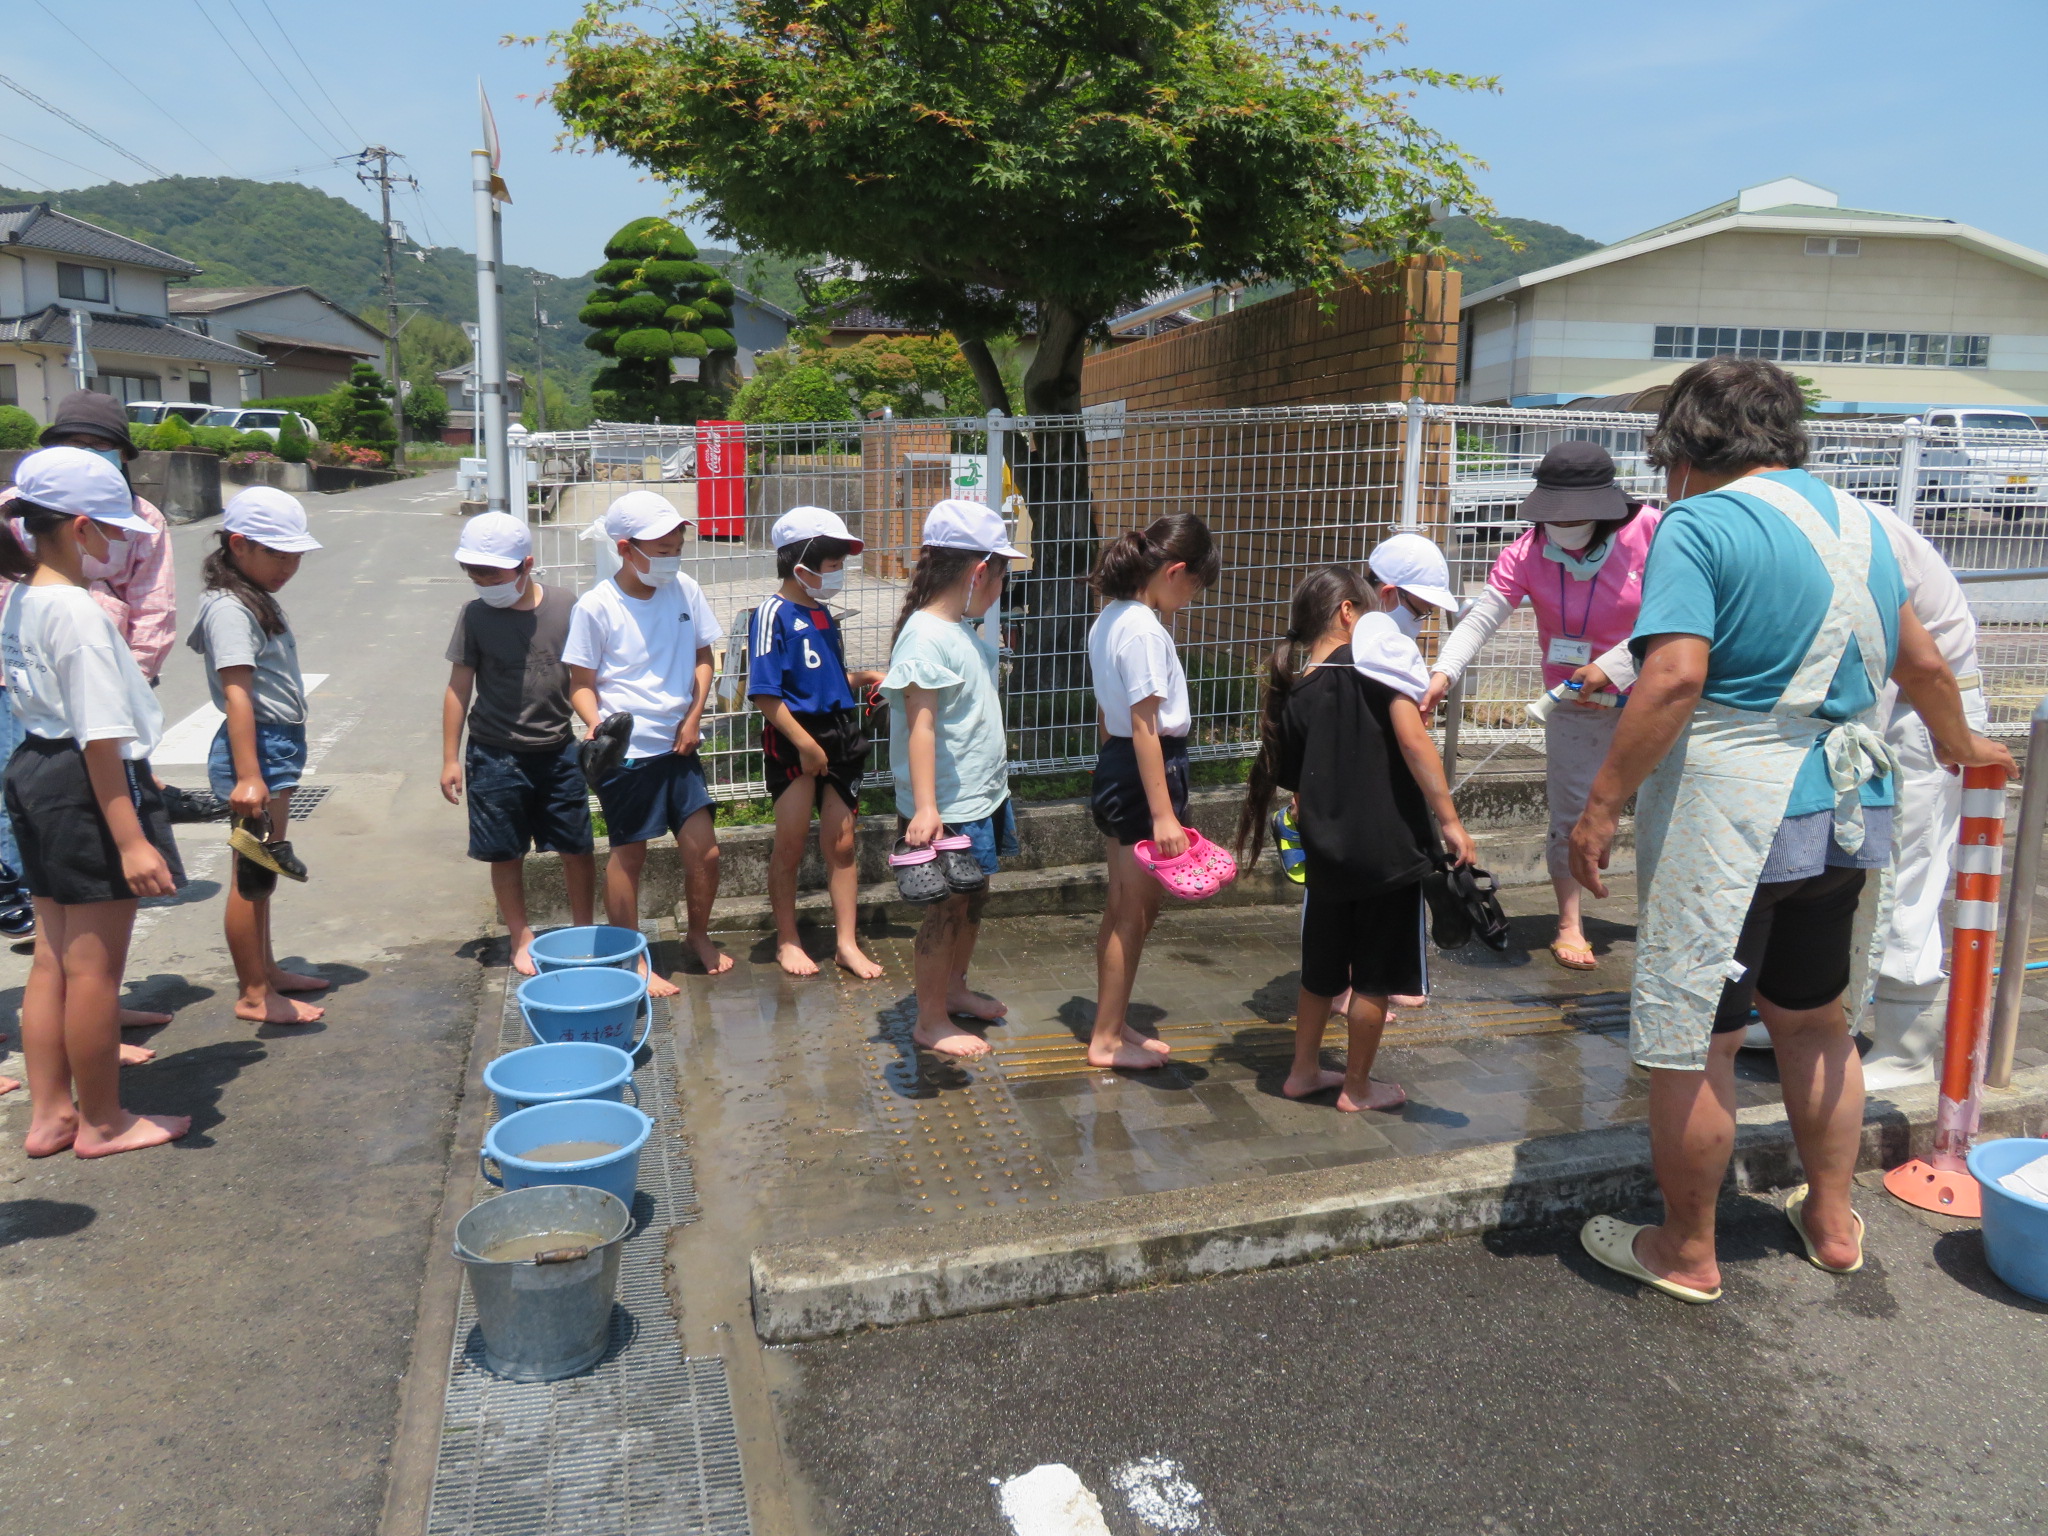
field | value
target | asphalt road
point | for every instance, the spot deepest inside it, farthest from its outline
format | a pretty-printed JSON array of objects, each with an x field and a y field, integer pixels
[
  {"x": 1505, "y": 1386},
  {"x": 210, "y": 1337}
]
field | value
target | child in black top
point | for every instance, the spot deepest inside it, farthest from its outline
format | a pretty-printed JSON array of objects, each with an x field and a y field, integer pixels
[{"x": 1366, "y": 779}]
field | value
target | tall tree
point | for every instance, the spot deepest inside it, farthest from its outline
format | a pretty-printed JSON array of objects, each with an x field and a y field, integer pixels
[{"x": 991, "y": 167}]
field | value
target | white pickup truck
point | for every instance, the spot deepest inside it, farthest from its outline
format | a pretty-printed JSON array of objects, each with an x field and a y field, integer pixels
[{"x": 1991, "y": 459}]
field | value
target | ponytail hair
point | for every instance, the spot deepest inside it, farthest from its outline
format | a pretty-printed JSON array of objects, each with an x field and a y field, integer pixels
[
  {"x": 1322, "y": 592},
  {"x": 223, "y": 575},
  {"x": 939, "y": 568},
  {"x": 17, "y": 561},
  {"x": 1128, "y": 562}
]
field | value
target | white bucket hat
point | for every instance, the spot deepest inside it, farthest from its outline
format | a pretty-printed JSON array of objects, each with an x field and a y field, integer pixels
[
  {"x": 968, "y": 525},
  {"x": 800, "y": 524},
  {"x": 265, "y": 515},
  {"x": 496, "y": 539},
  {"x": 79, "y": 483},
  {"x": 1416, "y": 566},
  {"x": 642, "y": 515}
]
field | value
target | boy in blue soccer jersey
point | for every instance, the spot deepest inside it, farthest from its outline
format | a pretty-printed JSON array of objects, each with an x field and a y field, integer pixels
[{"x": 811, "y": 733}]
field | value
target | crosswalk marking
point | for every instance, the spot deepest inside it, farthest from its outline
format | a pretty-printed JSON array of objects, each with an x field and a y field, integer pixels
[{"x": 191, "y": 738}]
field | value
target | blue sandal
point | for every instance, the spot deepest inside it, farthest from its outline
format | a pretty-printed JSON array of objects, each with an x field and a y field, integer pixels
[{"x": 1287, "y": 843}]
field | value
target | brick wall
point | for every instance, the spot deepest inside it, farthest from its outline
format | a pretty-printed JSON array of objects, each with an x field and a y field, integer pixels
[{"x": 1395, "y": 339}]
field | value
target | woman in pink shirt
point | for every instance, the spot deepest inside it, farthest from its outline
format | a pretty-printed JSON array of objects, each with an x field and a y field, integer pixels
[{"x": 1581, "y": 568}]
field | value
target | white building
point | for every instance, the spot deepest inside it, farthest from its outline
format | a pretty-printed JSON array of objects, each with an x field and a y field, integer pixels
[
  {"x": 1888, "y": 313},
  {"x": 52, "y": 265}
]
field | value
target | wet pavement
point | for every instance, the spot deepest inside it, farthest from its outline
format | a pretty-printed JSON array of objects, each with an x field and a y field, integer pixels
[{"x": 811, "y": 1090}]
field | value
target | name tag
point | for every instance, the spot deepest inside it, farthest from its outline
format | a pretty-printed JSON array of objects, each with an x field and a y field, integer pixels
[{"x": 1570, "y": 653}]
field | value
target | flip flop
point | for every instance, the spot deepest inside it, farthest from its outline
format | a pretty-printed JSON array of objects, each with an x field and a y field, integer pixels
[
  {"x": 1795, "y": 1202},
  {"x": 1559, "y": 951},
  {"x": 1613, "y": 1243}
]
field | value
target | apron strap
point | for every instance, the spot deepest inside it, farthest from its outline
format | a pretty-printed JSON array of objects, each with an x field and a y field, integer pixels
[{"x": 1852, "y": 611}]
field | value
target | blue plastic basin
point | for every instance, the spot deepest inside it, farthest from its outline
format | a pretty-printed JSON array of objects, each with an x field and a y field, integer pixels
[
  {"x": 2015, "y": 1228},
  {"x": 616, "y": 1173},
  {"x": 565, "y": 1069},
  {"x": 566, "y": 949},
  {"x": 589, "y": 1003}
]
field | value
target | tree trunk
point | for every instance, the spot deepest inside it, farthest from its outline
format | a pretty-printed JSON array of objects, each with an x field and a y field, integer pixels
[
  {"x": 1050, "y": 688},
  {"x": 988, "y": 378}
]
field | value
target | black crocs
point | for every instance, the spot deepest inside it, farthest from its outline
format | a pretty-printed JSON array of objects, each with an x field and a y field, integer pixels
[
  {"x": 919, "y": 879},
  {"x": 963, "y": 872},
  {"x": 605, "y": 748}
]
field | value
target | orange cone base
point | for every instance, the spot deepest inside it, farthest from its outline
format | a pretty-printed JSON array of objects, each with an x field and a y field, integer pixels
[{"x": 1936, "y": 1189}]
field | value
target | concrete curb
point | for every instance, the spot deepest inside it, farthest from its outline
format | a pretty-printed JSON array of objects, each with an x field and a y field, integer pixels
[{"x": 821, "y": 1289}]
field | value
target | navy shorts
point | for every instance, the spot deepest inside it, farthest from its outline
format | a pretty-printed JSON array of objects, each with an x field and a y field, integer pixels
[
  {"x": 280, "y": 755},
  {"x": 648, "y": 796},
  {"x": 1116, "y": 792},
  {"x": 522, "y": 800}
]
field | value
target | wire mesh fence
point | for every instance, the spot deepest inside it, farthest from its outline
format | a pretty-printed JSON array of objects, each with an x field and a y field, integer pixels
[{"x": 1281, "y": 490}]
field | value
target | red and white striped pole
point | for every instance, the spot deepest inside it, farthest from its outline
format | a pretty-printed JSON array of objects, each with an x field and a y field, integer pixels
[{"x": 1942, "y": 1182}]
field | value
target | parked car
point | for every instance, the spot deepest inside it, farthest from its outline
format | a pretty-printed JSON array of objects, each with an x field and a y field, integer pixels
[
  {"x": 254, "y": 418},
  {"x": 147, "y": 413},
  {"x": 1997, "y": 460}
]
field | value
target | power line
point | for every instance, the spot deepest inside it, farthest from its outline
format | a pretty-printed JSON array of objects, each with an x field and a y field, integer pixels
[
  {"x": 24, "y": 143},
  {"x": 354, "y": 132},
  {"x": 26, "y": 179},
  {"x": 283, "y": 79},
  {"x": 91, "y": 133},
  {"x": 138, "y": 90},
  {"x": 251, "y": 73}
]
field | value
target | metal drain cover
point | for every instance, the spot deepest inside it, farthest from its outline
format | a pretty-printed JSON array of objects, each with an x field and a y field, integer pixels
[{"x": 307, "y": 797}]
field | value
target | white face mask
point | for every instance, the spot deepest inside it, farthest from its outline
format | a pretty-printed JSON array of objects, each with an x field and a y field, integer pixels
[
  {"x": 1573, "y": 536},
  {"x": 503, "y": 595},
  {"x": 821, "y": 583},
  {"x": 660, "y": 568},
  {"x": 1405, "y": 619}
]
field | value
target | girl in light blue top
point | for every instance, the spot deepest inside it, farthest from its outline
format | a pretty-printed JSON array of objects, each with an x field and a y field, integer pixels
[{"x": 946, "y": 750}]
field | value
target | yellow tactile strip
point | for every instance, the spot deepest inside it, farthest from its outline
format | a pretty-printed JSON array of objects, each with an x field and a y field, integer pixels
[{"x": 1060, "y": 1054}]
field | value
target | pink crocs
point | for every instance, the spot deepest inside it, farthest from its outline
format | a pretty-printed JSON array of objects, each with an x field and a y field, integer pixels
[
  {"x": 1189, "y": 877},
  {"x": 1217, "y": 859}
]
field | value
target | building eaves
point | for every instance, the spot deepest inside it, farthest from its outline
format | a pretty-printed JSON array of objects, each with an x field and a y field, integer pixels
[
  {"x": 40, "y": 227},
  {"x": 132, "y": 335}
]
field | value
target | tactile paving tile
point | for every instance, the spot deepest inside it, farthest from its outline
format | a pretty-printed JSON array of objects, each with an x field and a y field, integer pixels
[{"x": 951, "y": 1127}]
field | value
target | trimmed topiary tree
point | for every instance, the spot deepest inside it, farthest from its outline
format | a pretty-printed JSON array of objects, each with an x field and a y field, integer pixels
[
  {"x": 18, "y": 429},
  {"x": 173, "y": 434},
  {"x": 361, "y": 414},
  {"x": 655, "y": 302},
  {"x": 292, "y": 442}
]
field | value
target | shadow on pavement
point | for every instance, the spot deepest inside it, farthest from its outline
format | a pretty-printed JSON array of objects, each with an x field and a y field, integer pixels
[
  {"x": 1961, "y": 1257},
  {"x": 24, "y": 1220},
  {"x": 191, "y": 1083}
]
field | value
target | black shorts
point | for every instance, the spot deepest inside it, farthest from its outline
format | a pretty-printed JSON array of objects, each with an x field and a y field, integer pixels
[
  {"x": 1794, "y": 946},
  {"x": 1116, "y": 794},
  {"x": 840, "y": 733},
  {"x": 67, "y": 853},
  {"x": 522, "y": 800},
  {"x": 1370, "y": 944},
  {"x": 647, "y": 796}
]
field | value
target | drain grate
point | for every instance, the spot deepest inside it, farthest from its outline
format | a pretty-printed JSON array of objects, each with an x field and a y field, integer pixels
[
  {"x": 307, "y": 797},
  {"x": 645, "y": 1444}
]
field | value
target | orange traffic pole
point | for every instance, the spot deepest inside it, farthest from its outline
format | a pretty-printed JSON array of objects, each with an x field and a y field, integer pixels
[{"x": 1942, "y": 1182}]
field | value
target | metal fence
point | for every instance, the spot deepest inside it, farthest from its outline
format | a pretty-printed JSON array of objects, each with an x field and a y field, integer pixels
[{"x": 1281, "y": 490}]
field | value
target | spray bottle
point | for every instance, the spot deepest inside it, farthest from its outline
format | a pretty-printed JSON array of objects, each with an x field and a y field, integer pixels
[{"x": 1540, "y": 709}]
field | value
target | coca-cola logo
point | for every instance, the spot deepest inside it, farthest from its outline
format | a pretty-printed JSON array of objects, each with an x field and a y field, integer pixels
[{"x": 714, "y": 455}]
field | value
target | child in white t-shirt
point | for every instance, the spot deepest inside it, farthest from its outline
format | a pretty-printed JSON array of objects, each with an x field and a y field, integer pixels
[
  {"x": 1139, "y": 791},
  {"x": 947, "y": 751},
  {"x": 89, "y": 819},
  {"x": 640, "y": 645}
]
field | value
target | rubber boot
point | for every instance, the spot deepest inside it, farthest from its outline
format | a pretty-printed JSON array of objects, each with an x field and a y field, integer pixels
[{"x": 1906, "y": 1035}]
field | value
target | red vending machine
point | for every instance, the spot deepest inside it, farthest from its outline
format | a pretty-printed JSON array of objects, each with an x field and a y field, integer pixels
[{"x": 721, "y": 479}]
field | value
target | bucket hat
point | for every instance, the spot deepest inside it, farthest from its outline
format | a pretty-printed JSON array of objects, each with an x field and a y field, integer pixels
[{"x": 1575, "y": 484}]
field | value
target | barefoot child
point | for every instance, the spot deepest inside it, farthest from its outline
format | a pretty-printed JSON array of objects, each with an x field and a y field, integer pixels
[
  {"x": 88, "y": 817},
  {"x": 526, "y": 789},
  {"x": 640, "y": 644},
  {"x": 252, "y": 668},
  {"x": 946, "y": 751},
  {"x": 1140, "y": 785},
  {"x": 1366, "y": 778},
  {"x": 812, "y": 740}
]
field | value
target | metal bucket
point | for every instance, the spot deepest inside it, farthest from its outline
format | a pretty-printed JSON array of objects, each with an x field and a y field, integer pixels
[{"x": 548, "y": 1317}]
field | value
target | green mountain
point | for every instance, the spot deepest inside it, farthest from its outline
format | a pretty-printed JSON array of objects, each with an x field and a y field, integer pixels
[
  {"x": 259, "y": 233},
  {"x": 1486, "y": 259}
]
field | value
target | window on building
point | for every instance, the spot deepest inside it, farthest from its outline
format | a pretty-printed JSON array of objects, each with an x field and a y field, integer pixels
[
  {"x": 1833, "y": 245},
  {"x": 9, "y": 395},
  {"x": 130, "y": 386},
  {"x": 1886, "y": 349},
  {"x": 199, "y": 385},
  {"x": 87, "y": 283}
]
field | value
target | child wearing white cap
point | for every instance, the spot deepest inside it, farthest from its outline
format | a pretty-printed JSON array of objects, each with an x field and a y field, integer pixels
[
  {"x": 640, "y": 645},
  {"x": 89, "y": 820},
  {"x": 259, "y": 753},
  {"x": 813, "y": 743},
  {"x": 947, "y": 753},
  {"x": 507, "y": 681}
]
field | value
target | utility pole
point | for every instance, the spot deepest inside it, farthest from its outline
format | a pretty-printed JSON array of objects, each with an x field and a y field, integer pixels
[
  {"x": 383, "y": 178},
  {"x": 541, "y": 327}
]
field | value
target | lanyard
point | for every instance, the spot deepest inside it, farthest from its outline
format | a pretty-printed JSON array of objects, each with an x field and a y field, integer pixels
[{"x": 1564, "y": 606}]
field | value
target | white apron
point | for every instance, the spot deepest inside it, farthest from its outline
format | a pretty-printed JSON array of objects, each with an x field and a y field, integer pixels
[{"x": 1706, "y": 818}]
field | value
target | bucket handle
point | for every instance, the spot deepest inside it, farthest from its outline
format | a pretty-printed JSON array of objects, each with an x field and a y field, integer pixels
[
  {"x": 562, "y": 1255},
  {"x": 647, "y": 1007},
  {"x": 497, "y": 1180}
]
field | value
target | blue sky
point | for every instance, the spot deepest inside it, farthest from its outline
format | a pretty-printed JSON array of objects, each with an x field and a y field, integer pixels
[{"x": 1612, "y": 116}]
